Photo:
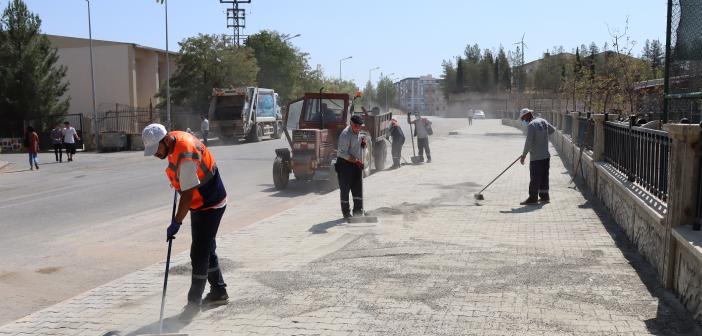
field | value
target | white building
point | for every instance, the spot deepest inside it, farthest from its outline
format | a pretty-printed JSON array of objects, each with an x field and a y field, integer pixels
[{"x": 125, "y": 73}]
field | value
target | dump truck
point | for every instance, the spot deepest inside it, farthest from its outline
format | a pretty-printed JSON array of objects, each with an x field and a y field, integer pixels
[
  {"x": 312, "y": 125},
  {"x": 245, "y": 113}
]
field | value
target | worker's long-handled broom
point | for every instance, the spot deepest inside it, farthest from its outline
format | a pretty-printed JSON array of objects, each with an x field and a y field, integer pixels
[
  {"x": 479, "y": 195},
  {"x": 165, "y": 277}
]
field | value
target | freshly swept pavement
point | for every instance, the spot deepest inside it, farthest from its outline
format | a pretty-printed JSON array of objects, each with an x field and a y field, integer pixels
[
  {"x": 438, "y": 263},
  {"x": 70, "y": 227}
]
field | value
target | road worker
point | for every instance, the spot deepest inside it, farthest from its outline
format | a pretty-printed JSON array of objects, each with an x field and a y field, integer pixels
[
  {"x": 349, "y": 167},
  {"x": 194, "y": 175}
]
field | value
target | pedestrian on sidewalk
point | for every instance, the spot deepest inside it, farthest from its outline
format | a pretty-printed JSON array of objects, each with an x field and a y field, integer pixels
[
  {"x": 349, "y": 167},
  {"x": 31, "y": 142},
  {"x": 398, "y": 139},
  {"x": 70, "y": 136},
  {"x": 422, "y": 130},
  {"x": 536, "y": 145},
  {"x": 471, "y": 114},
  {"x": 204, "y": 128},
  {"x": 194, "y": 175},
  {"x": 57, "y": 141}
]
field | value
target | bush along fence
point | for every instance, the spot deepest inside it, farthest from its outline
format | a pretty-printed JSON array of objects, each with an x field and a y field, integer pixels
[{"x": 649, "y": 181}]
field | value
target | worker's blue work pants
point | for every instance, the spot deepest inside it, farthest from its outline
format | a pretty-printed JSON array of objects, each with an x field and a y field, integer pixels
[{"x": 204, "y": 225}]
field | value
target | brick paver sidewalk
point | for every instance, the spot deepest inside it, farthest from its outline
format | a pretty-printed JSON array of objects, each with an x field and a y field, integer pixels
[{"x": 438, "y": 263}]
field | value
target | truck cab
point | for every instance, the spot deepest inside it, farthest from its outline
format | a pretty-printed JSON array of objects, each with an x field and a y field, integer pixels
[{"x": 248, "y": 113}]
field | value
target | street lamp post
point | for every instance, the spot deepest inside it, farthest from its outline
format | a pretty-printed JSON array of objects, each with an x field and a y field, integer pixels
[
  {"x": 341, "y": 60},
  {"x": 96, "y": 131},
  {"x": 370, "y": 71},
  {"x": 168, "y": 69},
  {"x": 291, "y": 37}
]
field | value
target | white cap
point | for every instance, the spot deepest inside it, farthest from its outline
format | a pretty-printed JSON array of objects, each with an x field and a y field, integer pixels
[
  {"x": 524, "y": 112},
  {"x": 152, "y": 135}
]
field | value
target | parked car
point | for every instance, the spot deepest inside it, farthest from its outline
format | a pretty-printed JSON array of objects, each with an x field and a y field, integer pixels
[{"x": 479, "y": 114}]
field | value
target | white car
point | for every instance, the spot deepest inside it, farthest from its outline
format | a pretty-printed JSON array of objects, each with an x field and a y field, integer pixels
[{"x": 479, "y": 114}]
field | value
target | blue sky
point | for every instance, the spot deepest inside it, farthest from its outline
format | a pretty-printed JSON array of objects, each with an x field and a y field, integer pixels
[{"x": 408, "y": 38}]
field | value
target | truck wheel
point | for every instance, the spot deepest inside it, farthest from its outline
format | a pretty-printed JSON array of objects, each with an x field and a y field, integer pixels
[
  {"x": 367, "y": 160},
  {"x": 380, "y": 153},
  {"x": 277, "y": 131},
  {"x": 281, "y": 175},
  {"x": 256, "y": 134}
]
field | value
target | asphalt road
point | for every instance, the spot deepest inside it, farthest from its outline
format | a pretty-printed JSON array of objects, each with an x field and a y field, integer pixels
[{"x": 70, "y": 227}]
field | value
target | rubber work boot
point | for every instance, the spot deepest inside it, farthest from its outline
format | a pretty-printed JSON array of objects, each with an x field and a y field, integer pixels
[
  {"x": 530, "y": 201},
  {"x": 216, "y": 297},
  {"x": 189, "y": 312}
]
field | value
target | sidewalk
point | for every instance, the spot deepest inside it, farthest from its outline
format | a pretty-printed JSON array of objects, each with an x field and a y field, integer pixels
[{"x": 438, "y": 263}]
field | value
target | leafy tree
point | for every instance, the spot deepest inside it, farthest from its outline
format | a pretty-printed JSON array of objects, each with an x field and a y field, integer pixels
[
  {"x": 206, "y": 62},
  {"x": 519, "y": 71},
  {"x": 654, "y": 55},
  {"x": 385, "y": 92},
  {"x": 369, "y": 94},
  {"x": 486, "y": 79},
  {"x": 448, "y": 78},
  {"x": 282, "y": 66},
  {"x": 505, "y": 72},
  {"x": 460, "y": 74},
  {"x": 31, "y": 83}
]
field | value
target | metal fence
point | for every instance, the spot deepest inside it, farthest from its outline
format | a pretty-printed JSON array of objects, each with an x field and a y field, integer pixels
[
  {"x": 643, "y": 155},
  {"x": 568, "y": 124},
  {"x": 44, "y": 125}
]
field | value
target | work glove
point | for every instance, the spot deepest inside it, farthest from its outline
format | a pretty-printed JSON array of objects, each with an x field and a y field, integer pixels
[
  {"x": 359, "y": 164},
  {"x": 172, "y": 229}
]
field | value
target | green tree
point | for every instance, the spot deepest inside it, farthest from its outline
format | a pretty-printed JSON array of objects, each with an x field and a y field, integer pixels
[
  {"x": 31, "y": 83},
  {"x": 206, "y": 62},
  {"x": 448, "y": 78},
  {"x": 282, "y": 66},
  {"x": 385, "y": 92},
  {"x": 654, "y": 55},
  {"x": 505, "y": 72},
  {"x": 369, "y": 95},
  {"x": 486, "y": 77},
  {"x": 460, "y": 76}
]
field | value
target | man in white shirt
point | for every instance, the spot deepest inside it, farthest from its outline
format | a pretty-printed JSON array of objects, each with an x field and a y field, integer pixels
[
  {"x": 205, "y": 128},
  {"x": 69, "y": 139}
]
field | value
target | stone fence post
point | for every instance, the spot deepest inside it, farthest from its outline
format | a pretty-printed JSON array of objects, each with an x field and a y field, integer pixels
[
  {"x": 682, "y": 176},
  {"x": 598, "y": 144},
  {"x": 574, "y": 127},
  {"x": 683, "y": 182}
]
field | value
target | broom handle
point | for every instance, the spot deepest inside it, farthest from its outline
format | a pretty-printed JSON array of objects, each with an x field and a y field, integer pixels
[
  {"x": 498, "y": 176},
  {"x": 168, "y": 263}
]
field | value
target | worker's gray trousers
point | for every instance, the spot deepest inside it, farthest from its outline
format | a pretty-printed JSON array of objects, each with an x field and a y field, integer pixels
[
  {"x": 204, "y": 225},
  {"x": 423, "y": 145},
  {"x": 538, "y": 184}
]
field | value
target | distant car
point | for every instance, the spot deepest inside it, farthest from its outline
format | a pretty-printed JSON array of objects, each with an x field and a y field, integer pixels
[{"x": 479, "y": 114}]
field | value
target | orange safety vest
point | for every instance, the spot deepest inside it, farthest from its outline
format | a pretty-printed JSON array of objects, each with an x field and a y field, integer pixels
[{"x": 210, "y": 192}]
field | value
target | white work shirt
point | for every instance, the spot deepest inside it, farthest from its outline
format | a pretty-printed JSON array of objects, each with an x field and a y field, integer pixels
[
  {"x": 187, "y": 176},
  {"x": 69, "y": 135},
  {"x": 205, "y": 125}
]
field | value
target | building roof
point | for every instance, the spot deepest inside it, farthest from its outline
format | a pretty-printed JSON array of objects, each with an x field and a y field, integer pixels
[{"x": 64, "y": 42}]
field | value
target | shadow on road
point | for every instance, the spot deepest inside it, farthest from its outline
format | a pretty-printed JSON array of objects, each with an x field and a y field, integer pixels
[
  {"x": 323, "y": 227},
  {"x": 524, "y": 209}
]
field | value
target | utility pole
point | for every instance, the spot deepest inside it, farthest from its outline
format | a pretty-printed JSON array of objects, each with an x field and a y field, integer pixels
[
  {"x": 237, "y": 17},
  {"x": 168, "y": 69},
  {"x": 341, "y": 60},
  {"x": 96, "y": 131}
]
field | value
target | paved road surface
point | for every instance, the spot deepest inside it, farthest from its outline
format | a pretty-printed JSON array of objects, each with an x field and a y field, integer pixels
[{"x": 70, "y": 227}]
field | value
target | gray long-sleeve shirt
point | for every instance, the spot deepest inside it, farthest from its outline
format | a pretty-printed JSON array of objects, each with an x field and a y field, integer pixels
[
  {"x": 536, "y": 143},
  {"x": 349, "y": 145}
]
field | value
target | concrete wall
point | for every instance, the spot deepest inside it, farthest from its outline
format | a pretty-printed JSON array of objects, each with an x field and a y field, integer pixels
[{"x": 111, "y": 76}]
